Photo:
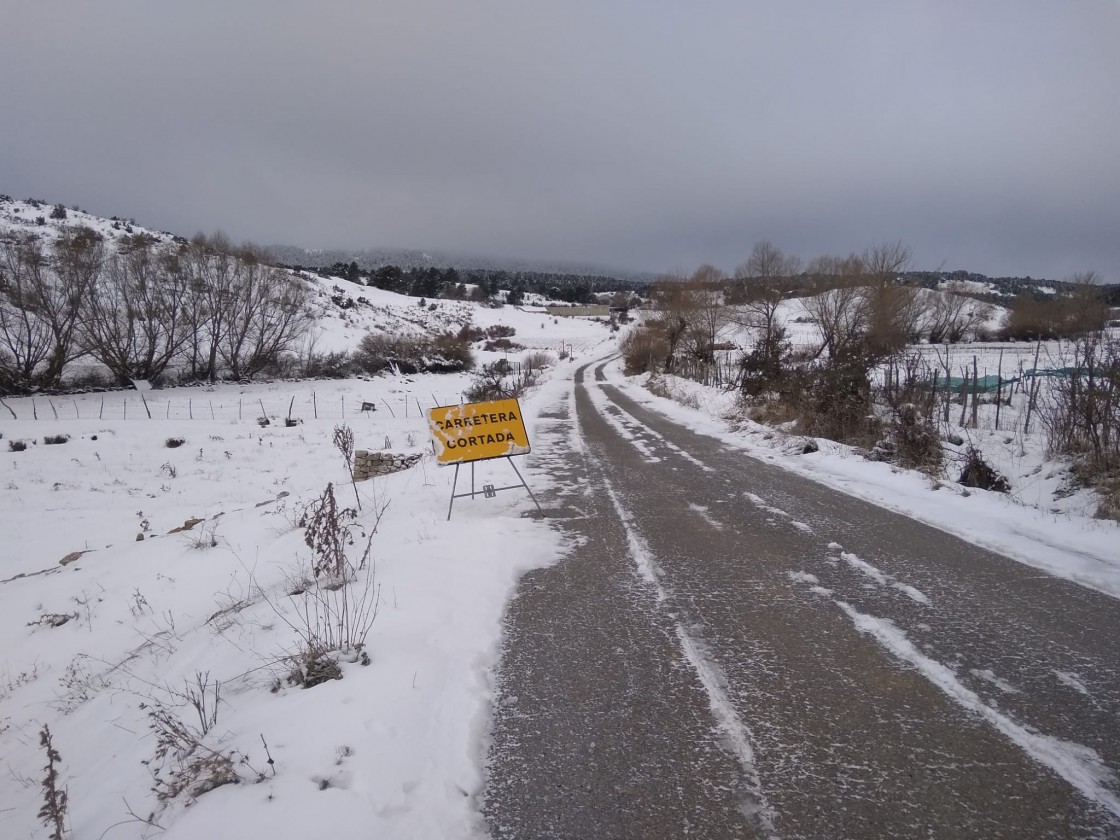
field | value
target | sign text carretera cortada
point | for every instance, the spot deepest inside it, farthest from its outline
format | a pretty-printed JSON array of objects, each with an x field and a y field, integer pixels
[{"x": 477, "y": 431}]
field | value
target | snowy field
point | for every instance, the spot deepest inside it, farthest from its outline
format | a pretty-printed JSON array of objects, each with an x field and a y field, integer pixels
[{"x": 113, "y": 613}]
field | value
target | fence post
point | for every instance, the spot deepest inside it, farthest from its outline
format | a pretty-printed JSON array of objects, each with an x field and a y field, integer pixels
[{"x": 999, "y": 387}]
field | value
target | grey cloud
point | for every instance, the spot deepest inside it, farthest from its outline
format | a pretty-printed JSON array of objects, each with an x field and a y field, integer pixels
[{"x": 647, "y": 135}]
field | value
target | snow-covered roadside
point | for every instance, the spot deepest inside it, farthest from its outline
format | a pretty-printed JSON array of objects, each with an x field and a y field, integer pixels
[
  {"x": 394, "y": 749},
  {"x": 1071, "y": 546}
]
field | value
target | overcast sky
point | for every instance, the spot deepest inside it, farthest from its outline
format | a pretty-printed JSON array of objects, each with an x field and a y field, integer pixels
[{"x": 642, "y": 134}]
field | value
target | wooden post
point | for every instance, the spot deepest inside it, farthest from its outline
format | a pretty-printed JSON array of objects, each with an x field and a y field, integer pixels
[
  {"x": 975, "y": 390},
  {"x": 101, "y": 412},
  {"x": 212, "y": 417},
  {"x": 148, "y": 410},
  {"x": 55, "y": 410},
  {"x": 190, "y": 407},
  {"x": 948, "y": 384},
  {"x": 34, "y": 410},
  {"x": 999, "y": 387},
  {"x": 1033, "y": 390},
  {"x": 314, "y": 405},
  {"x": 77, "y": 415},
  {"x": 964, "y": 396}
]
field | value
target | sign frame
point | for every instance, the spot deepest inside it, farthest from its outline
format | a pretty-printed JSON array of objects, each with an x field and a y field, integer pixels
[{"x": 479, "y": 431}]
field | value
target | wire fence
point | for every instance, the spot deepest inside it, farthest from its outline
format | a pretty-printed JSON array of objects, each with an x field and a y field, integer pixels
[{"x": 133, "y": 405}]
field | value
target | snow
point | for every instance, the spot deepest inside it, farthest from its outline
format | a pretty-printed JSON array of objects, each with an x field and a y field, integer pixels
[
  {"x": 1081, "y": 766},
  {"x": 1041, "y": 523},
  {"x": 393, "y": 749}
]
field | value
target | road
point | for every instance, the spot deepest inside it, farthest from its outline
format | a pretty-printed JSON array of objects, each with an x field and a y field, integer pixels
[{"x": 731, "y": 650}]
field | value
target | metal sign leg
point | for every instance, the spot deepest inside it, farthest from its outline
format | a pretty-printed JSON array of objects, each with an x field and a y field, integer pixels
[
  {"x": 454, "y": 483},
  {"x": 523, "y": 484}
]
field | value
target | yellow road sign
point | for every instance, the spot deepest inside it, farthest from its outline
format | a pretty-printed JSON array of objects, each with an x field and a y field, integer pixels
[{"x": 477, "y": 431}]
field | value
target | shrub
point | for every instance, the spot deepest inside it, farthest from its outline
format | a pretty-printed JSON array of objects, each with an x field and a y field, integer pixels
[
  {"x": 917, "y": 443},
  {"x": 16, "y": 446},
  {"x": 58, "y": 212},
  {"x": 174, "y": 442},
  {"x": 978, "y": 473},
  {"x": 763, "y": 366},
  {"x": 538, "y": 359},
  {"x": 501, "y": 344},
  {"x": 500, "y": 331},
  {"x": 470, "y": 332},
  {"x": 442, "y": 354},
  {"x": 51, "y": 440},
  {"x": 336, "y": 365},
  {"x": 643, "y": 350},
  {"x": 834, "y": 398},
  {"x": 493, "y": 383}
]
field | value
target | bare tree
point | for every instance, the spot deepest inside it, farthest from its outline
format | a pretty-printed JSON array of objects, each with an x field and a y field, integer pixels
[
  {"x": 135, "y": 320},
  {"x": 840, "y": 307},
  {"x": 768, "y": 276},
  {"x": 950, "y": 314},
  {"x": 267, "y": 316},
  {"x": 25, "y": 337},
  {"x": 1086, "y": 309},
  {"x": 894, "y": 308},
  {"x": 707, "y": 314},
  {"x": 41, "y": 293},
  {"x": 675, "y": 305},
  {"x": 212, "y": 270}
]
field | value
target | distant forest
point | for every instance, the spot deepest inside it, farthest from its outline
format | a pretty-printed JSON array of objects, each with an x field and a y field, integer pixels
[{"x": 480, "y": 284}]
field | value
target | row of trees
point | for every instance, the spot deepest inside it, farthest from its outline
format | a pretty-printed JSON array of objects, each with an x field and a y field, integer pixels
[
  {"x": 479, "y": 284},
  {"x": 864, "y": 310},
  {"x": 142, "y": 306},
  {"x": 856, "y": 301}
]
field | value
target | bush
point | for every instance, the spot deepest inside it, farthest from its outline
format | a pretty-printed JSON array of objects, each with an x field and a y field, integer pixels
[
  {"x": 917, "y": 443},
  {"x": 443, "y": 354},
  {"x": 498, "y": 344},
  {"x": 978, "y": 473},
  {"x": 470, "y": 332},
  {"x": 643, "y": 350},
  {"x": 493, "y": 383},
  {"x": 16, "y": 446},
  {"x": 58, "y": 212},
  {"x": 55, "y": 439},
  {"x": 834, "y": 397},
  {"x": 336, "y": 365},
  {"x": 762, "y": 368},
  {"x": 538, "y": 359},
  {"x": 174, "y": 442}
]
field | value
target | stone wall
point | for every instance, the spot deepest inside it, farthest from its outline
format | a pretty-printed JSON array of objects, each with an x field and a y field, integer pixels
[{"x": 373, "y": 464}]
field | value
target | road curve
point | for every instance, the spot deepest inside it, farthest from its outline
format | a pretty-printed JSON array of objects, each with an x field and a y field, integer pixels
[{"x": 731, "y": 650}]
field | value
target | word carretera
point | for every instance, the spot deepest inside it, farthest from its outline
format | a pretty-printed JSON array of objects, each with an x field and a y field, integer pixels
[{"x": 478, "y": 420}]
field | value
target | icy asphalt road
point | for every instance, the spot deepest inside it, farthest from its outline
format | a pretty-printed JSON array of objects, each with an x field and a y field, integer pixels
[{"x": 735, "y": 651}]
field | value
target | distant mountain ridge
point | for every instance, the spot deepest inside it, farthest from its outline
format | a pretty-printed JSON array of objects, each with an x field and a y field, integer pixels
[
  {"x": 47, "y": 218},
  {"x": 369, "y": 259}
]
